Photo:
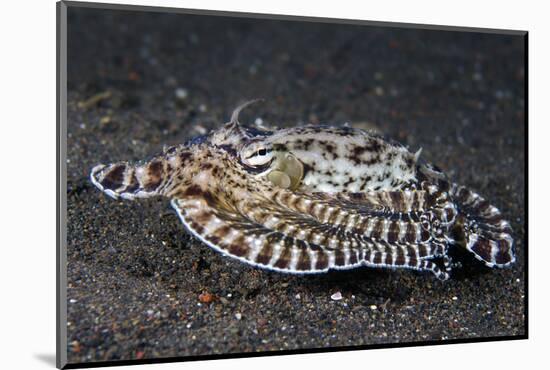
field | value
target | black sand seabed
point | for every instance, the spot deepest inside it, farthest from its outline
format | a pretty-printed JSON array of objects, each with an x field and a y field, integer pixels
[{"x": 135, "y": 275}]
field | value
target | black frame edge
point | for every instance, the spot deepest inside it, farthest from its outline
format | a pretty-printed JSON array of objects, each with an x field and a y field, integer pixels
[
  {"x": 526, "y": 176},
  {"x": 286, "y": 17},
  {"x": 61, "y": 43},
  {"x": 286, "y": 352},
  {"x": 61, "y": 142}
]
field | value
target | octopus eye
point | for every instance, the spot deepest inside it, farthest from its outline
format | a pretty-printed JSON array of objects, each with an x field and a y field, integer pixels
[{"x": 257, "y": 155}]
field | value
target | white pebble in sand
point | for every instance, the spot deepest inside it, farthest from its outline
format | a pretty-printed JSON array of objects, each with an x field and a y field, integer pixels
[{"x": 181, "y": 93}]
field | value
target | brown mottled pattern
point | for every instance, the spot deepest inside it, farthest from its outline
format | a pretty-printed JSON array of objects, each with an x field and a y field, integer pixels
[
  {"x": 114, "y": 178},
  {"x": 155, "y": 174}
]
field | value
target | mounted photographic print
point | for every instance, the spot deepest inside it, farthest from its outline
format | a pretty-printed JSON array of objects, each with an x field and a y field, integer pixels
[{"x": 238, "y": 184}]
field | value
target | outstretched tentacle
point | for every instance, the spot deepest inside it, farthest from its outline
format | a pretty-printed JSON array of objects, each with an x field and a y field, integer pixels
[
  {"x": 267, "y": 233},
  {"x": 122, "y": 180},
  {"x": 485, "y": 232},
  {"x": 142, "y": 180}
]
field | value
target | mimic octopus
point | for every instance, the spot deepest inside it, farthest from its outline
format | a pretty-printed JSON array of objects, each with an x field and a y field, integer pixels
[{"x": 313, "y": 198}]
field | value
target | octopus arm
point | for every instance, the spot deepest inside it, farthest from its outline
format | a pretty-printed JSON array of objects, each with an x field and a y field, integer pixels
[
  {"x": 131, "y": 181},
  {"x": 483, "y": 229},
  {"x": 276, "y": 234}
]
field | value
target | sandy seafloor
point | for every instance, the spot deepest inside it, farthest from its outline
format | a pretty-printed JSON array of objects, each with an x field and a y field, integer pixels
[{"x": 135, "y": 274}]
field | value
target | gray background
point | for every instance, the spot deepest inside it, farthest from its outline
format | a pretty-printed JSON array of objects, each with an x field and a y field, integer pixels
[{"x": 134, "y": 274}]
